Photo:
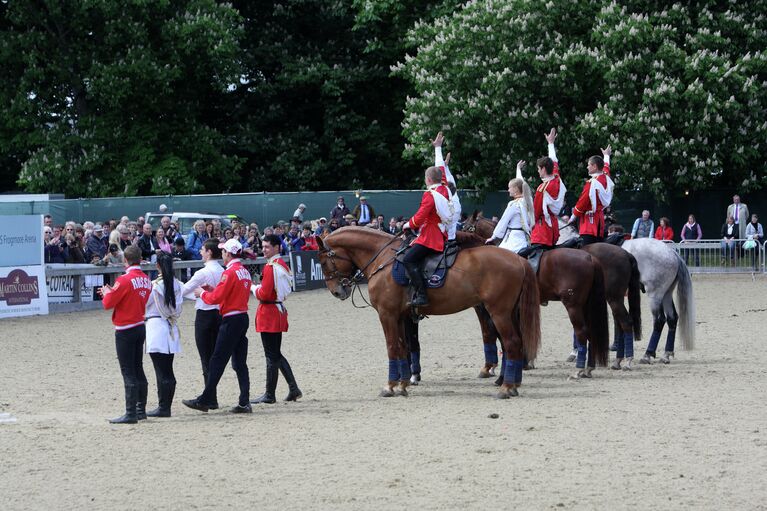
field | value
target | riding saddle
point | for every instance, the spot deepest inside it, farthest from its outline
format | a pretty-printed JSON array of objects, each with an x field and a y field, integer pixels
[{"x": 434, "y": 267}]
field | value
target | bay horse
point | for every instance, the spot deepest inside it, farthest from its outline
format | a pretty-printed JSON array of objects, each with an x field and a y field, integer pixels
[
  {"x": 485, "y": 276},
  {"x": 574, "y": 278},
  {"x": 622, "y": 278},
  {"x": 663, "y": 269}
]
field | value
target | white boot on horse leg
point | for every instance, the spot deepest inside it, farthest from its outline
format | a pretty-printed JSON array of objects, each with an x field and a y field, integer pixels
[
  {"x": 646, "y": 359},
  {"x": 667, "y": 355},
  {"x": 414, "y": 379},
  {"x": 571, "y": 356},
  {"x": 627, "y": 365}
]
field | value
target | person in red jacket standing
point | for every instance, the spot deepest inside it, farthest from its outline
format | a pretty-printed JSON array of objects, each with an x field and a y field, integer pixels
[
  {"x": 231, "y": 295},
  {"x": 597, "y": 194},
  {"x": 128, "y": 298},
  {"x": 272, "y": 320},
  {"x": 664, "y": 232},
  {"x": 431, "y": 233},
  {"x": 549, "y": 198}
]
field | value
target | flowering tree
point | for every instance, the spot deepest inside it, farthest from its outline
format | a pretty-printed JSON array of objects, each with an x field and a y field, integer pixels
[{"x": 678, "y": 91}]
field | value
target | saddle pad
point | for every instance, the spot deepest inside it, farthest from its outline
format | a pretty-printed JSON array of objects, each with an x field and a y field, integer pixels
[{"x": 399, "y": 275}]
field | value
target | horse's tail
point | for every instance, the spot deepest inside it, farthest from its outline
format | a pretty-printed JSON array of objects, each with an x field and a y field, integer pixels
[
  {"x": 686, "y": 305},
  {"x": 529, "y": 305},
  {"x": 596, "y": 316},
  {"x": 635, "y": 303}
]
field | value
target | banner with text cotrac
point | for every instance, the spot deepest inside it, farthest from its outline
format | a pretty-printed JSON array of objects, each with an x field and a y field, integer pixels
[{"x": 21, "y": 240}]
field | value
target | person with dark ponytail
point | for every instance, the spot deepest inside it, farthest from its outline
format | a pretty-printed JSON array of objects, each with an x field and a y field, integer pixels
[{"x": 162, "y": 334}]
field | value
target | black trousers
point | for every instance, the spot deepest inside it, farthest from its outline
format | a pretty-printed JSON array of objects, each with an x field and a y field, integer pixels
[
  {"x": 230, "y": 343},
  {"x": 588, "y": 239},
  {"x": 163, "y": 368},
  {"x": 417, "y": 253},
  {"x": 206, "y": 325},
  {"x": 272, "y": 343},
  {"x": 130, "y": 351}
]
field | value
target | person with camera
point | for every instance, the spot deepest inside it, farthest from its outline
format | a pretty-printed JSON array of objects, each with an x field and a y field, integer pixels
[{"x": 75, "y": 254}]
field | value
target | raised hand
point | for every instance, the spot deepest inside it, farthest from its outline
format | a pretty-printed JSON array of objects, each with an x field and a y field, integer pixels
[
  {"x": 437, "y": 142},
  {"x": 607, "y": 151},
  {"x": 521, "y": 165},
  {"x": 447, "y": 159},
  {"x": 551, "y": 137}
]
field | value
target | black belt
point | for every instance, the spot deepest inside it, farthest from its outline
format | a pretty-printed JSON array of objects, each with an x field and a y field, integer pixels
[
  {"x": 152, "y": 317},
  {"x": 514, "y": 229},
  {"x": 269, "y": 303}
]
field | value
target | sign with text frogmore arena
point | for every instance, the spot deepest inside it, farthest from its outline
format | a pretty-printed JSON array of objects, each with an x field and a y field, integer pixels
[
  {"x": 23, "y": 291},
  {"x": 21, "y": 240}
]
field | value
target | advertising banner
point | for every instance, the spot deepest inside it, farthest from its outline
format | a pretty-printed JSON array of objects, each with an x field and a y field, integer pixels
[
  {"x": 22, "y": 291},
  {"x": 21, "y": 240},
  {"x": 60, "y": 288},
  {"x": 307, "y": 271}
]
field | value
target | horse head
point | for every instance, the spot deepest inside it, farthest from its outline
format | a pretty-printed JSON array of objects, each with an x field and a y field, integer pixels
[
  {"x": 338, "y": 269},
  {"x": 470, "y": 224}
]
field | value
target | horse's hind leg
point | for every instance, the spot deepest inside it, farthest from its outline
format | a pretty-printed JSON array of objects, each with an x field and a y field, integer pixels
[
  {"x": 580, "y": 338},
  {"x": 489, "y": 335},
  {"x": 659, "y": 319},
  {"x": 624, "y": 335},
  {"x": 512, "y": 347},
  {"x": 671, "y": 320}
]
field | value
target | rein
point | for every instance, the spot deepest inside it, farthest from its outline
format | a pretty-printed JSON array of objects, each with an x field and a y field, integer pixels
[{"x": 347, "y": 279}]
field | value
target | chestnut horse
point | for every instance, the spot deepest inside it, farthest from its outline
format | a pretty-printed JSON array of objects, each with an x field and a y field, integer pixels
[
  {"x": 577, "y": 280},
  {"x": 486, "y": 276}
]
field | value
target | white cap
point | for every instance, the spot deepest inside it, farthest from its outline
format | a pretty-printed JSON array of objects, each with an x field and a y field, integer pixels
[{"x": 232, "y": 246}]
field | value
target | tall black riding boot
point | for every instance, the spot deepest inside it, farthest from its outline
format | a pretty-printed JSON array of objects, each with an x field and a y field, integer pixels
[
  {"x": 419, "y": 286},
  {"x": 272, "y": 373},
  {"x": 143, "y": 390},
  {"x": 131, "y": 396},
  {"x": 165, "y": 391},
  {"x": 295, "y": 393}
]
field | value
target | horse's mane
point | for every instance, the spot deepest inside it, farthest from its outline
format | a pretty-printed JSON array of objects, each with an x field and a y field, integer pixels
[{"x": 360, "y": 230}]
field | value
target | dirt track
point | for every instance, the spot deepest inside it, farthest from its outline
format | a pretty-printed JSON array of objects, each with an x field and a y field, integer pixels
[{"x": 690, "y": 435}]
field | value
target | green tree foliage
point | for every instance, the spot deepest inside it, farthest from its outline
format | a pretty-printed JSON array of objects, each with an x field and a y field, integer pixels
[
  {"x": 117, "y": 97},
  {"x": 678, "y": 90}
]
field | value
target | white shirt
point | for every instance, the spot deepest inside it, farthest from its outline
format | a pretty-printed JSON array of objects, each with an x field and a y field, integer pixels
[
  {"x": 162, "y": 333},
  {"x": 209, "y": 274},
  {"x": 439, "y": 161}
]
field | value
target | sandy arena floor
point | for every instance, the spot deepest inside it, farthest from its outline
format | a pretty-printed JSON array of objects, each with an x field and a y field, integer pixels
[{"x": 692, "y": 435}]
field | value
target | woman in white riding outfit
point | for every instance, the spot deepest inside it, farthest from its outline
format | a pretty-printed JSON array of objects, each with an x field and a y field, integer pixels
[
  {"x": 513, "y": 229},
  {"x": 162, "y": 334}
]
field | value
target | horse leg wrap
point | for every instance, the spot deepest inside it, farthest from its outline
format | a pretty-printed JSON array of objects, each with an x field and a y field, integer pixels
[
  {"x": 670, "y": 338},
  {"x": 628, "y": 342},
  {"x": 652, "y": 345},
  {"x": 575, "y": 341},
  {"x": 509, "y": 372},
  {"x": 491, "y": 354},
  {"x": 404, "y": 370},
  {"x": 580, "y": 361},
  {"x": 518, "y": 366},
  {"x": 393, "y": 370},
  {"x": 620, "y": 345},
  {"x": 415, "y": 362}
]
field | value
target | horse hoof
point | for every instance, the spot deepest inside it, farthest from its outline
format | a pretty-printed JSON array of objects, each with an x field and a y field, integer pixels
[
  {"x": 503, "y": 395},
  {"x": 627, "y": 366},
  {"x": 616, "y": 365},
  {"x": 414, "y": 379},
  {"x": 529, "y": 367},
  {"x": 402, "y": 392},
  {"x": 387, "y": 393},
  {"x": 645, "y": 360},
  {"x": 484, "y": 373},
  {"x": 514, "y": 392},
  {"x": 499, "y": 381},
  {"x": 665, "y": 360},
  {"x": 583, "y": 373}
]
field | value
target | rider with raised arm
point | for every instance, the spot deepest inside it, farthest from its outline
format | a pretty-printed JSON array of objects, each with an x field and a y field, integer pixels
[
  {"x": 431, "y": 233},
  {"x": 549, "y": 198},
  {"x": 449, "y": 181},
  {"x": 597, "y": 194},
  {"x": 513, "y": 229}
]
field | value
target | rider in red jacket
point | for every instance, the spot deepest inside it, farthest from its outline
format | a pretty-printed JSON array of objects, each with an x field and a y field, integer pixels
[{"x": 431, "y": 236}]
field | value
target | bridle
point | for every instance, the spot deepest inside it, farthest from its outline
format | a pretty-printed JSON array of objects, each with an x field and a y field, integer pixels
[{"x": 353, "y": 278}]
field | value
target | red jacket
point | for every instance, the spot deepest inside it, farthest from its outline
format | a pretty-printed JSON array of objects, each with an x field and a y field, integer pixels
[
  {"x": 427, "y": 221},
  {"x": 592, "y": 224},
  {"x": 542, "y": 232},
  {"x": 128, "y": 298},
  {"x": 270, "y": 317},
  {"x": 310, "y": 243},
  {"x": 664, "y": 234},
  {"x": 232, "y": 292}
]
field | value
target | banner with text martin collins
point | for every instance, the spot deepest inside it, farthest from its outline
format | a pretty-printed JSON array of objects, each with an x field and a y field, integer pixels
[
  {"x": 23, "y": 291},
  {"x": 307, "y": 271}
]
